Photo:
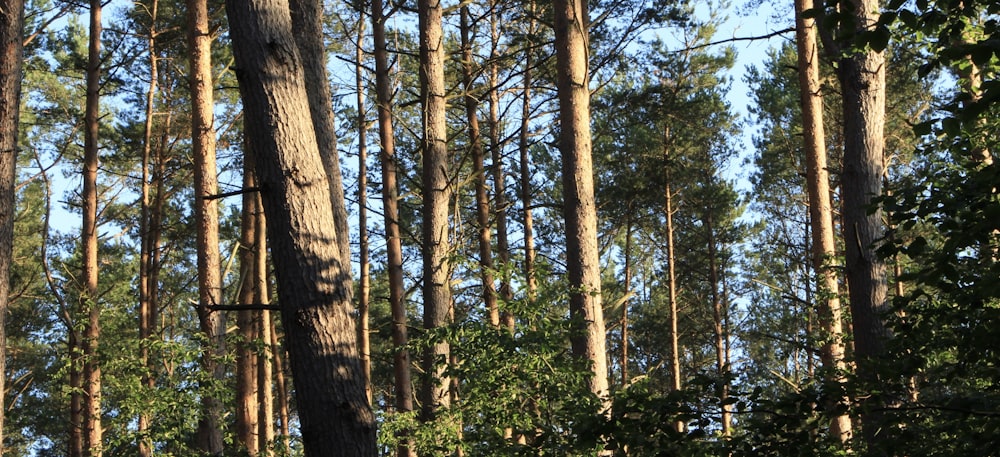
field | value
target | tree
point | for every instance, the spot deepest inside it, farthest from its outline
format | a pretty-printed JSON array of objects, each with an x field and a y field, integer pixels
[
  {"x": 579, "y": 210},
  {"x": 437, "y": 192},
  {"x": 820, "y": 208},
  {"x": 11, "y": 37},
  {"x": 313, "y": 276}
]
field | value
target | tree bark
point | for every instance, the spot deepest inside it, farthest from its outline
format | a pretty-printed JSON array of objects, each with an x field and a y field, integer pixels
[
  {"x": 719, "y": 328},
  {"x": 247, "y": 360},
  {"x": 92, "y": 427},
  {"x": 579, "y": 208},
  {"x": 390, "y": 209},
  {"x": 862, "y": 80},
  {"x": 506, "y": 293},
  {"x": 820, "y": 209},
  {"x": 11, "y": 38},
  {"x": 307, "y": 21},
  {"x": 206, "y": 215},
  {"x": 675, "y": 348},
  {"x": 313, "y": 274},
  {"x": 437, "y": 193},
  {"x": 523, "y": 146}
]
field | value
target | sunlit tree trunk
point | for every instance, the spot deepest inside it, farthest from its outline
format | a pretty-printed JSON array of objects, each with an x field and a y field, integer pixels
[
  {"x": 627, "y": 299},
  {"x": 675, "y": 348},
  {"x": 506, "y": 293},
  {"x": 247, "y": 360},
  {"x": 719, "y": 327},
  {"x": 437, "y": 193},
  {"x": 390, "y": 209},
  {"x": 524, "y": 151},
  {"x": 820, "y": 208},
  {"x": 11, "y": 25},
  {"x": 364, "y": 344},
  {"x": 313, "y": 274},
  {"x": 280, "y": 386},
  {"x": 206, "y": 215},
  {"x": 579, "y": 208},
  {"x": 89, "y": 305}
]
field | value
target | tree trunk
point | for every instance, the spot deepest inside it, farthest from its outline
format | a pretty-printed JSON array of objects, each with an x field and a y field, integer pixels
[
  {"x": 628, "y": 293},
  {"x": 523, "y": 146},
  {"x": 11, "y": 25},
  {"x": 307, "y": 21},
  {"x": 499, "y": 182},
  {"x": 579, "y": 209},
  {"x": 862, "y": 80},
  {"x": 820, "y": 209},
  {"x": 719, "y": 328},
  {"x": 265, "y": 371},
  {"x": 486, "y": 267},
  {"x": 280, "y": 385},
  {"x": 313, "y": 274},
  {"x": 363, "y": 303},
  {"x": 247, "y": 360},
  {"x": 436, "y": 198},
  {"x": 206, "y": 215},
  {"x": 390, "y": 209},
  {"x": 675, "y": 348},
  {"x": 92, "y": 428}
]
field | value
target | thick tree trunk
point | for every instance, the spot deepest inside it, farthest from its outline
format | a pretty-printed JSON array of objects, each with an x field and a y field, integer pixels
[
  {"x": 820, "y": 208},
  {"x": 862, "y": 80},
  {"x": 437, "y": 193},
  {"x": 11, "y": 37},
  {"x": 206, "y": 215},
  {"x": 483, "y": 228},
  {"x": 92, "y": 427},
  {"x": 390, "y": 209},
  {"x": 307, "y": 21},
  {"x": 579, "y": 208},
  {"x": 313, "y": 274}
]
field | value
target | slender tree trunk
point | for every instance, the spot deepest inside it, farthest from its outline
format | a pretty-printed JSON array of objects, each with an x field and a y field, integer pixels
[
  {"x": 862, "y": 79},
  {"x": 719, "y": 329},
  {"x": 11, "y": 37},
  {"x": 486, "y": 267},
  {"x": 820, "y": 209},
  {"x": 280, "y": 385},
  {"x": 579, "y": 209},
  {"x": 147, "y": 309},
  {"x": 523, "y": 146},
  {"x": 437, "y": 193},
  {"x": 499, "y": 181},
  {"x": 206, "y": 214},
  {"x": 93, "y": 430},
  {"x": 265, "y": 325},
  {"x": 675, "y": 348},
  {"x": 313, "y": 274},
  {"x": 247, "y": 360},
  {"x": 628, "y": 293},
  {"x": 364, "y": 344},
  {"x": 307, "y": 21},
  {"x": 390, "y": 209}
]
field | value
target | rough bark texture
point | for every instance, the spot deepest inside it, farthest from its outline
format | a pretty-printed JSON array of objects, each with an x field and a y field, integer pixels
[
  {"x": 436, "y": 199},
  {"x": 390, "y": 209},
  {"x": 313, "y": 275},
  {"x": 579, "y": 208},
  {"x": 483, "y": 229},
  {"x": 820, "y": 208},
  {"x": 206, "y": 215},
  {"x": 89, "y": 306},
  {"x": 307, "y": 22},
  {"x": 862, "y": 80},
  {"x": 11, "y": 25}
]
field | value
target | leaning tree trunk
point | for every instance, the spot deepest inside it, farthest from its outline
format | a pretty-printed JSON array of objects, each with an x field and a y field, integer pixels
[
  {"x": 436, "y": 199},
  {"x": 313, "y": 274},
  {"x": 820, "y": 208},
  {"x": 11, "y": 25},
  {"x": 580, "y": 209},
  {"x": 390, "y": 213},
  {"x": 206, "y": 215},
  {"x": 92, "y": 428},
  {"x": 862, "y": 80}
]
